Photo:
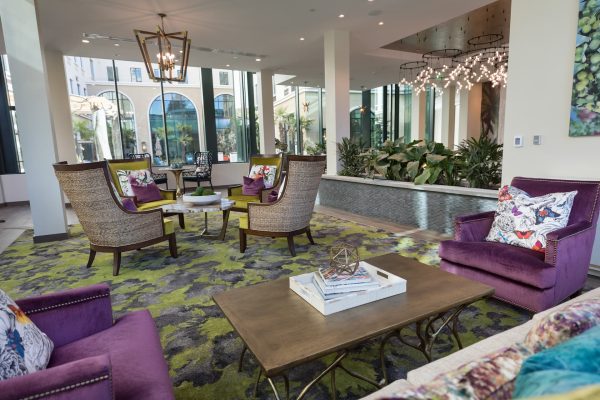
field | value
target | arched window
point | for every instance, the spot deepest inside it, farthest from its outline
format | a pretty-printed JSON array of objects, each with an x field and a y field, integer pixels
[
  {"x": 122, "y": 139},
  {"x": 227, "y": 126},
  {"x": 181, "y": 140},
  {"x": 356, "y": 126}
]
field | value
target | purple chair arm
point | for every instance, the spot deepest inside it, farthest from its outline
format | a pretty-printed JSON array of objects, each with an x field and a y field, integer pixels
[
  {"x": 570, "y": 250},
  {"x": 70, "y": 315},
  {"x": 88, "y": 378},
  {"x": 473, "y": 228}
]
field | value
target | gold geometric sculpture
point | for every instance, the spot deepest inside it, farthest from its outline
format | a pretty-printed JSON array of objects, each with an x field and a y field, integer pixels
[{"x": 343, "y": 258}]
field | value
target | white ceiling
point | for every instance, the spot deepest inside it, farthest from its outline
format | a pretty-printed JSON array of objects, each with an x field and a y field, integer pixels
[{"x": 268, "y": 28}]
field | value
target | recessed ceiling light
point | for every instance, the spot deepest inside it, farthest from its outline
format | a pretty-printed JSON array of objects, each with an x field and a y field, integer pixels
[
  {"x": 181, "y": 51},
  {"x": 258, "y": 59},
  {"x": 228, "y": 65},
  {"x": 84, "y": 41},
  {"x": 117, "y": 44},
  {"x": 341, "y": 16},
  {"x": 370, "y": 1},
  {"x": 301, "y": 38},
  {"x": 380, "y": 23}
]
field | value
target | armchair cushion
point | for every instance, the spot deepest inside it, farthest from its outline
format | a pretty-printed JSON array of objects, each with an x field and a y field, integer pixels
[
  {"x": 523, "y": 220},
  {"x": 88, "y": 378},
  {"x": 138, "y": 367},
  {"x": 267, "y": 172},
  {"x": 253, "y": 187},
  {"x": 142, "y": 177},
  {"x": 154, "y": 204},
  {"x": 515, "y": 263},
  {"x": 241, "y": 201},
  {"x": 23, "y": 347},
  {"x": 474, "y": 227},
  {"x": 145, "y": 192},
  {"x": 244, "y": 221}
]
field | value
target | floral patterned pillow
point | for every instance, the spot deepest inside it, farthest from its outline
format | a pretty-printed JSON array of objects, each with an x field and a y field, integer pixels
[
  {"x": 267, "y": 172},
  {"x": 490, "y": 377},
  {"x": 524, "y": 221},
  {"x": 23, "y": 347},
  {"x": 561, "y": 325},
  {"x": 142, "y": 176}
]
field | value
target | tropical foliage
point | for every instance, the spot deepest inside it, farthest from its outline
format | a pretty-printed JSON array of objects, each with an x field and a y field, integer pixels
[
  {"x": 480, "y": 162},
  {"x": 476, "y": 163}
]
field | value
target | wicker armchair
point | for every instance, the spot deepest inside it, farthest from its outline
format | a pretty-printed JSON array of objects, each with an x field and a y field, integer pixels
[
  {"x": 159, "y": 178},
  {"x": 202, "y": 172},
  {"x": 168, "y": 196},
  {"x": 290, "y": 215},
  {"x": 109, "y": 227},
  {"x": 235, "y": 192}
]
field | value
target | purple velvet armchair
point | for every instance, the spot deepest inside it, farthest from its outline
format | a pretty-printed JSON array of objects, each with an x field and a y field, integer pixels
[
  {"x": 527, "y": 278},
  {"x": 93, "y": 357}
]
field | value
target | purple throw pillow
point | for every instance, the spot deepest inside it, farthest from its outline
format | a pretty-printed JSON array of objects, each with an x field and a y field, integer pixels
[
  {"x": 273, "y": 196},
  {"x": 252, "y": 187},
  {"x": 145, "y": 193},
  {"x": 128, "y": 204}
]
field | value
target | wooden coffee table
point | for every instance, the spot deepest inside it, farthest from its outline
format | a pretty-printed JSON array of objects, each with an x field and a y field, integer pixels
[{"x": 284, "y": 331}]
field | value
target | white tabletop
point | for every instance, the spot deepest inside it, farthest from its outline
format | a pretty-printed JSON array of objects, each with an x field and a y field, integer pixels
[{"x": 183, "y": 207}]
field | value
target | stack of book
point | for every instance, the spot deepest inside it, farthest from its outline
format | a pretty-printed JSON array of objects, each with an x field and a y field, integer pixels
[{"x": 332, "y": 285}]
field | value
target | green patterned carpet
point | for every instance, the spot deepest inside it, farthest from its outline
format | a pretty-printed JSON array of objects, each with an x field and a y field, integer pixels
[{"x": 200, "y": 345}]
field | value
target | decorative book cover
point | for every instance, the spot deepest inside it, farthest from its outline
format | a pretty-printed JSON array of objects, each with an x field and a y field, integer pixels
[
  {"x": 332, "y": 278},
  {"x": 354, "y": 287}
]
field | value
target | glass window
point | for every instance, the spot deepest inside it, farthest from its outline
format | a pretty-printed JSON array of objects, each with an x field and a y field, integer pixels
[
  {"x": 13, "y": 116},
  {"x": 286, "y": 126},
  {"x": 309, "y": 121},
  {"x": 92, "y": 73},
  {"x": 112, "y": 74},
  {"x": 126, "y": 135},
  {"x": 136, "y": 74},
  {"x": 429, "y": 112},
  {"x": 224, "y": 78},
  {"x": 71, "y": 86},
  {"x": 405, "y": 112},
  {"x": 78, "y": 89},
  {"x": 180, "y": 141}
]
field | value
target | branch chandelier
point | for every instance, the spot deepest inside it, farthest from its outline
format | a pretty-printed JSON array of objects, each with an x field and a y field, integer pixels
[
  {"x": 485, "y": 60},
  {"x": 172, "y": 67}
]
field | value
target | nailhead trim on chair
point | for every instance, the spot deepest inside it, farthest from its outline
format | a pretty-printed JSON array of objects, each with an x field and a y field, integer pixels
[
  {"x": 68, "y": 303},
  {"x": 66, "y": 388}
]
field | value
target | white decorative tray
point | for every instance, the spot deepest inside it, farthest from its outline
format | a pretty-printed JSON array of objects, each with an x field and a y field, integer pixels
[
  {"x": 202, "y": 200},
  {"x": 391, "y": 285}
]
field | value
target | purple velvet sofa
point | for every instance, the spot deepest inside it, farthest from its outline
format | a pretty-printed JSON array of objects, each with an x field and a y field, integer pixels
[
  {"x": 93, "y": 357},
  {"x": 527, "y": 278}
]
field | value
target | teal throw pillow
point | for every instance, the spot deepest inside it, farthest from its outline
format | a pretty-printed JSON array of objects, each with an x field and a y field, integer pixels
[{"x": 572, "y": 364}]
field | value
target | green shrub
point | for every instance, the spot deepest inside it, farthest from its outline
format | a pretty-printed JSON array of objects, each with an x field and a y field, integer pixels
[
  {"x": 479, "y": 162},
  {"x": 349, "y": 151}
]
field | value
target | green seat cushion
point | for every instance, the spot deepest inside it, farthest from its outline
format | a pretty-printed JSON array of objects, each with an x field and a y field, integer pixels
[
  {"x": 241, "y": 201},
  {"x": 244, "y": 222},
  {"x": 154, "y": 204},
  {"x": 169, "y": 226},
  {"x": 563, "y": 368}
]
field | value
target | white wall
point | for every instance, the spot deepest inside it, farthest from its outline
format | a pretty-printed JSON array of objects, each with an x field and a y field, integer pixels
[
  {"x": 538, "y": 97},
  {"x": 13, "y": 188}
]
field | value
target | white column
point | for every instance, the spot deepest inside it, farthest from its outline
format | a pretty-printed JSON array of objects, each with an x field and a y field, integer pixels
[
  {"x": 448, "y": 117},
  {"x": 417, "y": 122},
  {"x": 337, "y": 87},
  {"x": 34, "y": 118},
  {"x": 266, "y": 117},
  {"x": 462, "y": 133},
  {"x": 60, "y": 107}
]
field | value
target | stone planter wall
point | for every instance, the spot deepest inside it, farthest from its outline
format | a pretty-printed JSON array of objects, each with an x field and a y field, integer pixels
[{"x": 431, "y": 207}]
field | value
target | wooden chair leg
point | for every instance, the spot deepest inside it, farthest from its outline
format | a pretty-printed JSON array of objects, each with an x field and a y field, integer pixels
[
  {"x": 116, "y": 262},
  {"x": 181, "y": 221},
  {"x": 291, "y": 246},
  {"x": 310, "y": 238},
  {"x": 173, "y": 246},
  {"x": 242, "y": 241},
  {"x": 91, "y": 258}
]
